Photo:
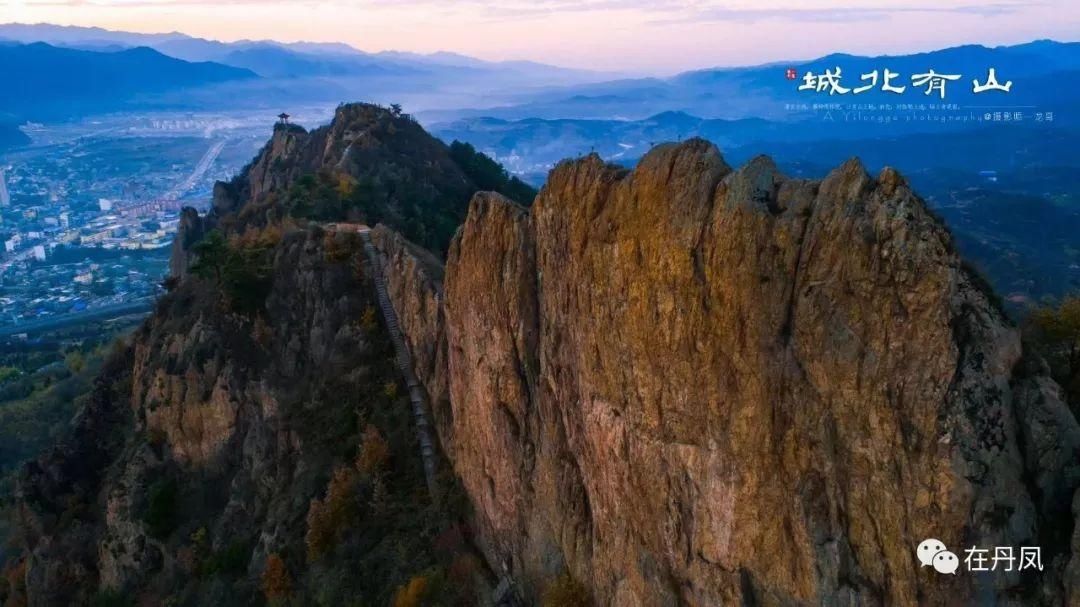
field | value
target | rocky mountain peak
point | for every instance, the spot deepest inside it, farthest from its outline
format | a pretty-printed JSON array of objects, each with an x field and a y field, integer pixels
[
  {"x": 697, "y": 385},
  {"x": 370, "y": 164}
]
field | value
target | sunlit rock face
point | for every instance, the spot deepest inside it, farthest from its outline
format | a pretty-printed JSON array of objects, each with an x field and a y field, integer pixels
[{"x": 688, "y": 384}]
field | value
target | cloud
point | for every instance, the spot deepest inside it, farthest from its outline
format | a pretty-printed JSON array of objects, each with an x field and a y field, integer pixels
[
  {"x": 837, "y": 14},
  {"x": 657, "y": 11}
]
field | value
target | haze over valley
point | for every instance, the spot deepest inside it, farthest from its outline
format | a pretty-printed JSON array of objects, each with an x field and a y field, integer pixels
[{"x": 132, "y": 116}]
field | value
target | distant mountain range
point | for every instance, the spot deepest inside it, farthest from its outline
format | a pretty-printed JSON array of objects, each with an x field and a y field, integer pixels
[
  {"x": 59, "y": 72},
  {"x": 43, "y": 82},
  {"x": 1044, "y": 73},
  {"x": 275, "y": 59},
  {"x": 530, "y": 146}
]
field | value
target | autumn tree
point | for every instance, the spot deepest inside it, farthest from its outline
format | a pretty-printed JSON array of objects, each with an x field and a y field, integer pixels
[
  {"x": 320, "y": 535},
  {"x": 277, "y": 584},
  {"x": 367, "y": 319},
  {"x": 374, "y": 451},
  {"x": 413, "y": 593},
  {"x": 329, "y": 517}
]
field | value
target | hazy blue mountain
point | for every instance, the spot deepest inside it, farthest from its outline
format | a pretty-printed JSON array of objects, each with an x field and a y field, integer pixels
[
  {"x": 200, "y": 49},
  {"x": 188, "y": 47},
  {"x": 1043, "y": 73},
  {"x": 304, "y": 59},
  {"x": 437, "y": 58},
  {"x": 196, "y": 49},
  {"x": 1039, "y": 72},
  {"x": 42, "y": 82},
  {"x": 174, "y": 44},
  {"x": 308, "y": 59},
  {"x": 533, "y": 69},
  {"x": 531, "y": 146},
  {"x": 71, "y": 34},
  {"x": 273, "y": 61}
]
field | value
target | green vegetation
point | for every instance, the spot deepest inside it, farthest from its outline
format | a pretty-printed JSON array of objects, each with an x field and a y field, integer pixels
[
  {"x": 322, "y": 197},
  {"x": 240, "y": 267},
  {"x": 162, "y": 510},
  {"x": 231, "y": 561},
  {"x": 1056, "y": 332},
  {"x": 371, "y": 528},
  {"x": 402, "y": 177},
  {"x": 111, "y": 598},
  {"x": 211, "y": 253},
  {"x": 490, "y": 175},
  {"x": 42, "y": 384},
  {"x": 420, "y": 211},
  {"x": 983, "y": 284}
]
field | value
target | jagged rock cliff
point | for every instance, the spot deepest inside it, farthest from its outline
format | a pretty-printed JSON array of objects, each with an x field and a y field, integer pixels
[
  {"x": 681, "y": 384},
  {"x": 691, "y": 385}
]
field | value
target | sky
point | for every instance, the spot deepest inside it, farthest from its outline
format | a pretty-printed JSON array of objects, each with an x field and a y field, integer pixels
[{"x": 630, "y": 36}]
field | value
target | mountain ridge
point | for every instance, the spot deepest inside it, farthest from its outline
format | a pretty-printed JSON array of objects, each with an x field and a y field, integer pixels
[
  {"x": 685, "y": 383},
  {"x": 49, "y": 82},
  {"x": 193, "y": 48},
  {"x": 763, "y": 90}
]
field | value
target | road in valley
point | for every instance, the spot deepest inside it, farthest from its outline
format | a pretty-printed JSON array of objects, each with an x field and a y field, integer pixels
[{"x": 200, "y": 169}]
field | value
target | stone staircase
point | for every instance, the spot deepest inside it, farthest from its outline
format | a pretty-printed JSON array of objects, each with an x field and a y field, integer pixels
[
  {"x": 505, "y": 593},
  {"x": 403, "y": 359}
]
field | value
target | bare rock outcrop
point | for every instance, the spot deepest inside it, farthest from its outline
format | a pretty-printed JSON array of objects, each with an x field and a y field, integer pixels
[
  {"x": 691, "y": 385},
  {"x": 189, "y": 231}
]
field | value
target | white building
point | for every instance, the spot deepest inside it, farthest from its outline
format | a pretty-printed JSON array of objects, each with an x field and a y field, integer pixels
[
  {"x": 104, "y": 204},
  {"x": 5, "y": 196},
  {"x": 12, "y": 243},
  {"x": 39, "y": 252}
]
